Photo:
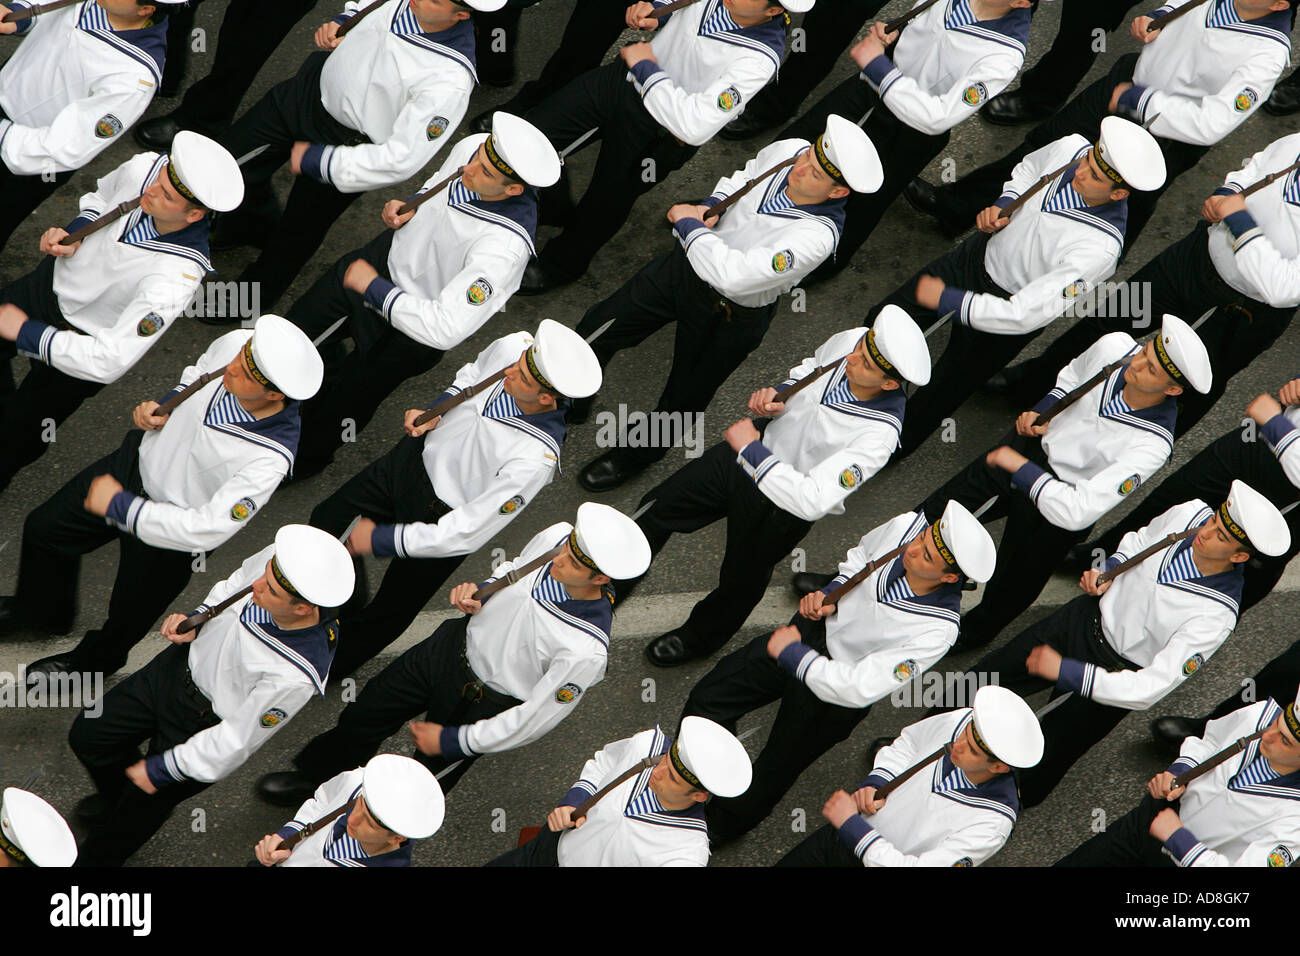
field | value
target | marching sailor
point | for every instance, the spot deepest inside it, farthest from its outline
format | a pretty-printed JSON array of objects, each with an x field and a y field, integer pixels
[
  {"x": 500, "y": 677},
  {"x": 179, "y": 485},
  {"x": 721, "y": 284},
  {"x": 945, "y": 66},
  {"x": 213, "y": 698},
  {"x": 453, "y": 483},
  {"x": 652, "y": 818},
  {"x": 959, "y": 813},
  {"x": 1241, "y": 259},
  {"x": 826, "y": 443},
  {"x": 367, "y": 111},
  {"x": 1053, "y": 482},
  {"x": 1126, "y": 644},
  {"x": 837, "y": 658},
  {"x": 91, "y": 310},
  {"x": 388, "y": 804},
  {"x": 1194, "y": 82},
  {"x": 81, "y": 76},
  {"x": 32, "y": 833},
  {"x": 655, "y": 105},
  {"x": 1244, "y": 812},
  {"x": 426, "y": 283},
  {"x": 1013, "y": 278}
]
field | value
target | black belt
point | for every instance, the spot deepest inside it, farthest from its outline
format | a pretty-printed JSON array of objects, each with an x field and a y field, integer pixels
[
  {"x": 1106, "y": 655},
  {"x": 474, "y": 689},
  {"x": 197, "y": 697}
]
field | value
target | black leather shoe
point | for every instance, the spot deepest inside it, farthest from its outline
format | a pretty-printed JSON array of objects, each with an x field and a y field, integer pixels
[
  {"x": 1012, "y": 109},
  {"x": 748, "y": 125},
  {"x": 924, "y": 198},
  {"x": 668, "y": 650},
  {"x": 14, "y": 620},
  {"x": 1080, "y": 557},
  {"x": 607, "y": 472},
  {"x": 482, "y": 123},
  {"x": 539, "y": 278},
  {"x": 67, "y": 663},
  {"x": 806, "y": 582},
  {"x": 1004, "y": 382},
  {"x": 1170, "y": 732},
  {"x": 287, "y": 788},
  {"x": 1286, "y": 97},
  {"x": 91, "y": 810},
  {"x": 157, "y": 134}
]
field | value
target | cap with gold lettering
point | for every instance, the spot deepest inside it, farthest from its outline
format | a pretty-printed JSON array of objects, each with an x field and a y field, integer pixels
[
  {"x": 1249, "y": 518},
  {"x": 710, "y": 758},
  {"x": 204, "y": 172},
  {"x": 313, "y": 565}
]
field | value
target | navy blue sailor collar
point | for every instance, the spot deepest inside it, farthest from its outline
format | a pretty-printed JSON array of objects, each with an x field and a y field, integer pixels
[
  {"x": 943, "y": 602},
  {"x": 1286, "y": 787},
  {"x": 456, "y": 42},
  {"x": 1109, "y": 217},
  {"x": 310, "y": 649},
  {"x": 831, "y": 213},
  {"x": 767, "y": 37},
  {"x": 887, "y": 407},
  {"x": 546, "y": 427},
  {"x": 516, "y": 213},
  {"x": 1158, "y": 419},
  {"x": 643, "y": 805},
  {"x": 1275, "y": 25},
  {"x": 999, "y": 794},
  {"x": 593, "y": 617},
  {"x": 191, "y": 242},
  {"x": 1010, "y": 29},
  {"x": 279, "y": 432},
  {"x": 147, "y": 46},
  {"x": 1224, "y": 586}
]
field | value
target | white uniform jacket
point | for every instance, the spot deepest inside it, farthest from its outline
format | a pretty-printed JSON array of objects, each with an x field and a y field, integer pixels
[
  {"x": 937, "y": 818},
  {"x": 331, "y": 845},
  {"x": 457, "y": 261},
  {"x": 1235, "y": 815},
  {"x": 1257, "y": 251},
  {"x": 211, "y": 467},
  {"x": 826, "y": 444},
  {"x": 947, "y": 65},
  {"x": 256, "y": 675},
  {"x": 1054, "y": 251},
  {"x": 1099, "y": 449},
  {"x": 708, "y": 69},
  {"x": 883, "y": 635},
  {"x": 486, "y": 459},
  {"x": 764, "y": 244},
  {"x": 1208, "y": 71},
  {"x": 1281, "y": 433},
  {"x": 536, "y": 643},
  {"x": 405, "y": 89},
  {"x": 1163, "y": 615},
  {"x": 124, "y": 286},
  {"x": 73, "y": 86},
  {"x": 629, "y": 827}
]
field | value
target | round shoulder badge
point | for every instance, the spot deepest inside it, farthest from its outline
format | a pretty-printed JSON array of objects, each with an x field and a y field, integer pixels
[
  {"x": 1192, "y": 665},
  {"x": 783, "y": 261},
  {"x": 243, "y": 508},
  {"x": 273, "y": 717},
  {"x": 904, "y": 671},
  {"x": 437, "y": 126},
  {"x": 150, "y": 324},
  {"x": 107, "y": 126},
  {"x": 479, "y": 292},
  {"x": 1280, "y": 855},
  {"x": 513, "y": 505},
  {"x": 728, "y": 99},
  {"x": 975, "y": 95},
  {"x": 851, "y": 477},
  {"x": 1245, "y": 100},
  {"x": 1129, "y": 485},
  {"x": 568, "y": 693}
]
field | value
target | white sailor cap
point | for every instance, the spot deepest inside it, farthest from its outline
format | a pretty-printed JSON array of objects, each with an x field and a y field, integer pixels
[
  {"x": 563, "y": 362},
  {"x": 204, "y": 172},
  {"x": 403, "y": 796},
  {"x": 283, "y": 359},
  {"x": 1182, "y": 355},
  {"x": 313, "y": 565},
  {"x": 481, "y": 6},
  {"x": 897, "y": 345},
  {"x": 31, "y": 831},
  {"x": 1006, "y": 728},
  {"x": 797, "y": 6},
  {"x": 848, "y": 156},
  {"x": 963, "y": 543},
  {"x": 1129, "y": 155},
  {"x": 709, "y": 757},
  {"x": 607, "y": 541},
  {"x": 518, "y": 148},
  {"x": 1250, "y": 518}
]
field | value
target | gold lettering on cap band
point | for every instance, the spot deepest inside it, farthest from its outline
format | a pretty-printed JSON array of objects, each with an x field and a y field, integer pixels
[
  {"x": 878, "y": 357},
  {"x": 180, "y": 186},
  {"x": 1234, "y": 529},
  {"x": 833, "y": 171},
  {"x": 942, "y": 546},
  {"x": 253, "y": 370},
  {"x": 680, "y": 767},
  {"x": 1292, "y": 724},
  {"x": 1099, "y": 154},
  {"x": 495, "y": 158},
  {"x": 1166, "y": 362},
  {"x": 284, "y": 582},
  {"x": 979, "y": 742},
  {"x": 530, "y": 357},
  {"x": 583, "y": 558},
  {"x": 12, "y": 849}
]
